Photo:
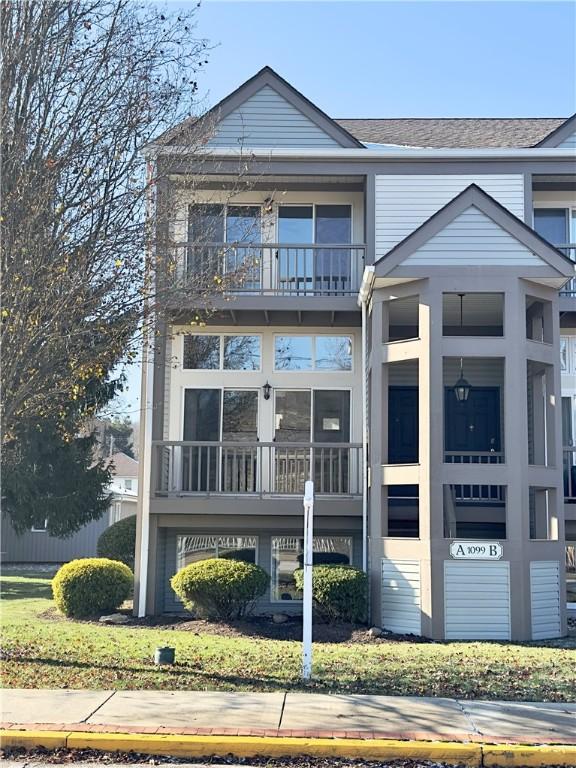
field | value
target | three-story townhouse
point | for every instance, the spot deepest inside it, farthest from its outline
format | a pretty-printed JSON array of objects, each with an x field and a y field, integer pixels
[{"x": 396, "y": 323}]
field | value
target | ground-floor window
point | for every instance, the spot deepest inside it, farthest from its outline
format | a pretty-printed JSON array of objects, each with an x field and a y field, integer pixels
[
  {"x": 192, "y": 549},
  {"x": 288, "y": 556}
]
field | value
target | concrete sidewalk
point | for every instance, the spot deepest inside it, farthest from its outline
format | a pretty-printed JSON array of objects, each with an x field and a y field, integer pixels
[{"x": 288, "y": 715}]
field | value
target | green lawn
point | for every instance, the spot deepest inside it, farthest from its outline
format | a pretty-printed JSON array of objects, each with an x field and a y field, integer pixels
[{"x": 50, "y": 652}]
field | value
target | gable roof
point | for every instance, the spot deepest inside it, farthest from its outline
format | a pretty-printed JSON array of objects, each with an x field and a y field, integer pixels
[
  {"x": 266, "y": 77},
  {"x": 561, "y": 132},
  {"x": 473, "y": 195},
  {"x": 123, "y": 465},
  {"x": 455, "y": 133}
]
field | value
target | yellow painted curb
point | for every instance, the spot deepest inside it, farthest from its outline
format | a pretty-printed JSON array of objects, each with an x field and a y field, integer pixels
[
  {"x": 502, "y": 755},
  {"x": 33, "y": 739},
  {"x": 253, "y": 746}
]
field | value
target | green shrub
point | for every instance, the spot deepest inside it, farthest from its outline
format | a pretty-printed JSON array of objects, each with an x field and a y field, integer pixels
[
  {"x": 220, "y": 588},
  {"x": 340, "y": 592},
  {"x": 91, "y": 586},
  {"x": 118, "y": 542}
]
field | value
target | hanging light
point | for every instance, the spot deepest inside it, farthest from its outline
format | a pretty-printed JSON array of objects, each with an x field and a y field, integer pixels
[
  {"x": 462, "y": 387},
  {"x": 267, "y": 389}
]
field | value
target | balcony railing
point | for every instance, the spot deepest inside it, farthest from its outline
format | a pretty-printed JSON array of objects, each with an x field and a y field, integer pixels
[
  {"x": 474, "y": 457},
  {"x": 569, "y": 466},
  {"x": 569, "y": 249},
  {"x": 236, "y": 469},
  {"x": 274, "y": 268}
]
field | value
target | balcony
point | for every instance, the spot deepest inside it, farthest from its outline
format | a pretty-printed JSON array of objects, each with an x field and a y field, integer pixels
[
  {"x": 206, "y": 469},
  {"x": 258, "y": 269}
]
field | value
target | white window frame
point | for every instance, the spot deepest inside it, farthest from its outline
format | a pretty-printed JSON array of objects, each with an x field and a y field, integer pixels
[
  {"x": 41, "y": 530},
  {"x": 221, "y": 420},
  {"x": 311, "y": 390},
  {"x": 313, "y": 206},
  {"x": 292, "y": 535},
  {"x": 314, "y": 369},
  {"x": 221, "y": 368},
  {"x": 217, "y": 536}
]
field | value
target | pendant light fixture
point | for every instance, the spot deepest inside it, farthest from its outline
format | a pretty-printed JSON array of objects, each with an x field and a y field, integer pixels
[{"x": 462, "y": 387}]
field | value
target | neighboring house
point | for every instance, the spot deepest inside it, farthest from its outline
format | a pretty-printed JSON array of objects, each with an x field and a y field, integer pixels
[
  {"x": 37, "y": 546},
  {"x": 407, "y": 289}
]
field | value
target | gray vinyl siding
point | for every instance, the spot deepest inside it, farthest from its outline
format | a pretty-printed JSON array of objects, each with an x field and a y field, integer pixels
[
  {"x": 404, "y": 202},
  {"x": 167, "y": 602},
  {"x": 569, "y": 142},
  {"x": 545, "y": 599},
  {"x": 401, "y": 604},
  {"x": 472, "y": 238},
  {"x": 476, "y": 600},
  {"x": 266, "y": 119},
  {"x": 39, "y": 547}
]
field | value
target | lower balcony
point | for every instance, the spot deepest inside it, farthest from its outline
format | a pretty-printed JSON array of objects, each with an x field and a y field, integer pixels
[
  {"x": 239, "y": 469},
  {"x": 569, "y": 466}
]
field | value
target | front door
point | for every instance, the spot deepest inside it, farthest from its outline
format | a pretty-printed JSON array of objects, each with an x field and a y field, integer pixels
[{"x": 472, "y": 426}]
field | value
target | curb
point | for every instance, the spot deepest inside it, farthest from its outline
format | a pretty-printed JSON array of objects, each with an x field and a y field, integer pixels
[{"x": 453, "y": 753}]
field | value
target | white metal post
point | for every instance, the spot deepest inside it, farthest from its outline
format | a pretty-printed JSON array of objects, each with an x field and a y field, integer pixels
[{"x": 307, "y": 596}]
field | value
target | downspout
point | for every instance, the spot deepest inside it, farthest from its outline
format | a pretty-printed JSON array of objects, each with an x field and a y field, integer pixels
[
  {"x": 146, "y": 413},
  {"x": 363, "y": 299}
]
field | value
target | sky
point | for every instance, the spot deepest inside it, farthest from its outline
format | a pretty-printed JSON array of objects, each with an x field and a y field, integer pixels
[{"x": 394, "y": 59}]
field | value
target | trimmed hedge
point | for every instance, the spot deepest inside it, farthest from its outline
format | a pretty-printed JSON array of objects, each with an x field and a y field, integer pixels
[
  {"x": 91, "y": 586},
  {"x": 118, "y": 542},
  {"x": 219, "y": 588},
  {"x": 340, "y": 592}
]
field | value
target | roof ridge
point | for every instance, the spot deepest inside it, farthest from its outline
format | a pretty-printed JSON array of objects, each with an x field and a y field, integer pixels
[{"x": 449, "y": 118}]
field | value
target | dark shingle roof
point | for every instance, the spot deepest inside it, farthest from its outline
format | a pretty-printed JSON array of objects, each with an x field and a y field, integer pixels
[{"x": 458, "y": 132}]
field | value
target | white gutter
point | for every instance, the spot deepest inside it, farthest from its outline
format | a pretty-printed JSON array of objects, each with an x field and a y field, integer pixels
[
  {"x": 146, "y": 404},
  {"x": 360, "y": 154},
  {"x": 363, "y": 298}
]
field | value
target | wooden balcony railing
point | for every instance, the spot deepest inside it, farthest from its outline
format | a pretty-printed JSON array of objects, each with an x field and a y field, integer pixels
[
  {"x": 224, "y": 468},
  {"x": 274, "y": 268},
  {"x": 569, "y": 467}
]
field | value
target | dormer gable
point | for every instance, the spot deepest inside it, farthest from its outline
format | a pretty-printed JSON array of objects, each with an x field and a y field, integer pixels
[
  {"x": 475, "y": 231},
  {"x": 266, "y": 111}
]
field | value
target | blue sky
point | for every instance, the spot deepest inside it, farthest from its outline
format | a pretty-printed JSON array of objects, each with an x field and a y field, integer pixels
[
  {"x": 395, "y": 59},
  {"x": 400, "y": 59}
]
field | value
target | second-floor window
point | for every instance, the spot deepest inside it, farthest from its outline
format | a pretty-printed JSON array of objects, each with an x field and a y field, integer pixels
[
  {"x": 557, "y": 225},
  {"x": 206, "y": 351},
  {"x": 313, "y": 353}
]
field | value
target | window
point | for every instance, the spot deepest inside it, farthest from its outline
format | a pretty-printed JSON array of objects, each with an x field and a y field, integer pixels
[
  {"x": 41, "y": 526},
  {"x": 203, "y": 351},
  {"x": 288, "y": 556},
  {"x": 474, "y": 511},
  {"x": 313, "y": 353},
  {"x": 242, "y": 353},
  {"x": 552, "y": 224},
  {"x": 333, "y": 353},
  {"x": 192, "y": 549},
  {"x": 543, "y": 519},
  {"x": 128, "y": 484},
  {"x": 473, "y": 314}
]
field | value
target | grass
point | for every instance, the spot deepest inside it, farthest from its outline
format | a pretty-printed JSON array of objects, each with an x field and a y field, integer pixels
[{"x": 46, "y": 651}]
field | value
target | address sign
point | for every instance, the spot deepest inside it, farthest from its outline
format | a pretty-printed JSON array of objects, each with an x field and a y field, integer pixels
[{"x": 476, "y": 550}]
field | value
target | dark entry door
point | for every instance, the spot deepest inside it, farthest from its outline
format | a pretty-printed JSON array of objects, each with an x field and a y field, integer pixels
[
  {"x": 473, "y": 425},
  {"x": 403, "y": 425}
]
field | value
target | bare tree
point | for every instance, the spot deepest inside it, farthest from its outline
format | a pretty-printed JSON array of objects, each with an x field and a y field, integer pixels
[{"x": 85, "y": 84}]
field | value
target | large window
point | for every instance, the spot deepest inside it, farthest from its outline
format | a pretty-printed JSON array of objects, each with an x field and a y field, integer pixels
[
  {"x": 193, "y": 548},
  {"x": 288, "y": 556},
  {"x": 313, "y": 353},
  {"x": 203, "y": 351}
]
